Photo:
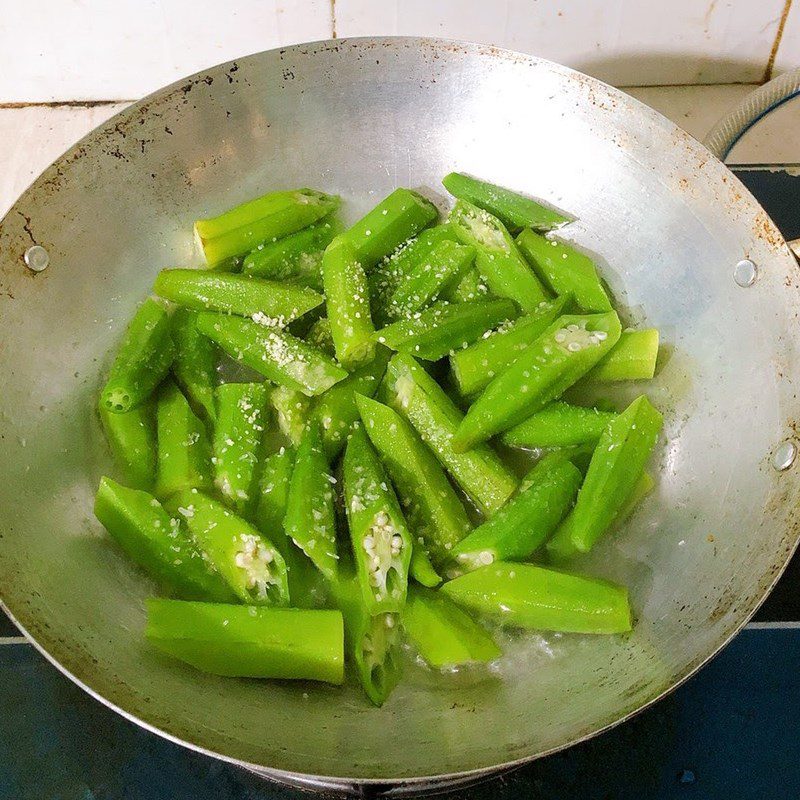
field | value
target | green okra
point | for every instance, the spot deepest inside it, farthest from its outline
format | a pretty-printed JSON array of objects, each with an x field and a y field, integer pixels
[
  {"x": 474, "y": 367},
  {"x": 238, "y": 431},
  {"x": 617, "y": 464},
  {"x": 304, "y": 579},
  {"x": 373, "y": 642},
  {"x": 633, "y": 358},
  {"x": 336, "y": 410},
  {"x": 319, "y": 335},
  {"x": 347, "y": 304},
  {"x": 523, "y": 524},
  {"x": 157, "y": 543},
  {"x": 250, "y": 641},
  {"x": 444, "y": 634},
  {"x": 560, "y": 547},
  {"x": 184, "y": 451},
  {"x": 292, "y": 412},
  {"x": 528, "y": 596},
  {"x": 446, "y": 264},
  {"x": 564, "y": 270},
  {"x": 434, "y": 513},
  {"x": 267, "y": 218},
  {"x": 497, "y": 258},
  {"x": 195, "y": 365},
  {"x": 275, "y": 354},
  {"x": 250, "y": 564},
  {"x": 410, "y": 391},
  {"x": 514, "y": 210},
  {"x": 379, "y": 536},
  {"x": 470, "y": 287},
  {"x": 310, "y": 519},
  {"x": 421, "y": 569},
  {"x": 444, "y": 327},
  {"x": 203, "y": 290},
  {"x": 562, "y": 355},
  {"x": 559, "y": 424},
  {"x": 132, "y": 439},
  {"x": 399, "y": 265},
  {"x": 394, "y": 220},
  {"x": 297, "y": 257},
  {"x": 143, "y": 359}
]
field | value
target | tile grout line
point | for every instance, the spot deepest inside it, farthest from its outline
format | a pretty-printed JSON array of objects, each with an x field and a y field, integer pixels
[
  {"x": 13, "y": 640},
  {"x": 773, "y": 53},
  {"x": 333, "y": 20}
]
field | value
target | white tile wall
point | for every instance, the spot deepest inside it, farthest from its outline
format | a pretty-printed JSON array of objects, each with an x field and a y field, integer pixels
[
  {"x": 624, "y": 42},
  {"x": 123, "y": 49},
  {"x": 53, "y": 50}
]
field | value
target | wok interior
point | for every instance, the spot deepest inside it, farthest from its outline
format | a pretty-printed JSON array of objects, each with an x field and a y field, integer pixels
[{"x": 668, "y": 223}]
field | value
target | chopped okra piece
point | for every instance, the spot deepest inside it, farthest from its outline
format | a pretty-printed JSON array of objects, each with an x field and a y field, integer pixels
[
  {"x": 523, "y": 524},
  {"x": 446, "y": 264},
  {"x": 399, "y": 265},
  {"x": 373, "y": 642},
  {"x": 250, "y": 564},
  {"x": 617, "y": 464},
  {"x": 195, "y": 364},
  {"x": 143, "y": 359},
  {"x": 250, "y": 641},
  {"x": 319, "y": 335},
  {"x": 380, "y": 539},
  {"x": 238, "y": 431},
  {"x": 435, "y": 514},
  {"x": 264, "y": 219},
  {"x": 443, "y": 634},
  {"x": 347, "y": 304},
  {"x": 304, "y": 579},
  {"x": 564, "y": 270},
  {"x": 132, "y": 439},
  {"x": 310, "y": 517},
  {"x": 474, "y": 367},
  {"x": 394, "y": 220},
  {"x": 562, "y": 355},
  {"x": 527, "y": 596},
  {"x": 157, "y": 543},
  {"x": 297, "y": 257},
  {"x": 560, "y": 546},
  {"x": 202, "y": 290},
  {"x": 277, "y": 355},
  {"x": 559, "y": 424},
  {"x": 336, "y": 410},
  {"x": 470, "y": 287},
  {"x": 421, "y": 569},
  {"x": 497, "y": 258},
  {"x": 410, "y": 391},
  {"x": 444, "y": 327},
  {"x": 184, "y": 451},
  {"x": 514, "y": 210},
  {"x": 633, "y": 358},
  {"x": 292, "y": 412}
]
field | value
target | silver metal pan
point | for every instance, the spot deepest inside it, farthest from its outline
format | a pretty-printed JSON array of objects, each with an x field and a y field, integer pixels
[{"x": 667, "y": 219}]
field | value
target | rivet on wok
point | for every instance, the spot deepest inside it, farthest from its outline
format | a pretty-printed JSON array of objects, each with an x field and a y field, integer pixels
[
  {"x": 784, "y": 456},
  {"x": 745, "y": 273},
  {"x": 37, "y": 258}
]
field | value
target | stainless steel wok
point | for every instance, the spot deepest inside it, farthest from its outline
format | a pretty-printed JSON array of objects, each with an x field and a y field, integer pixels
[{"x": 669, "y": 222}]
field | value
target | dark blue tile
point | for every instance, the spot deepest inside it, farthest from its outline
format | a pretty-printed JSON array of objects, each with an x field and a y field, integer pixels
[
  {"x": 7, "y": 627},
  {"x": 729, "y": 733}
]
